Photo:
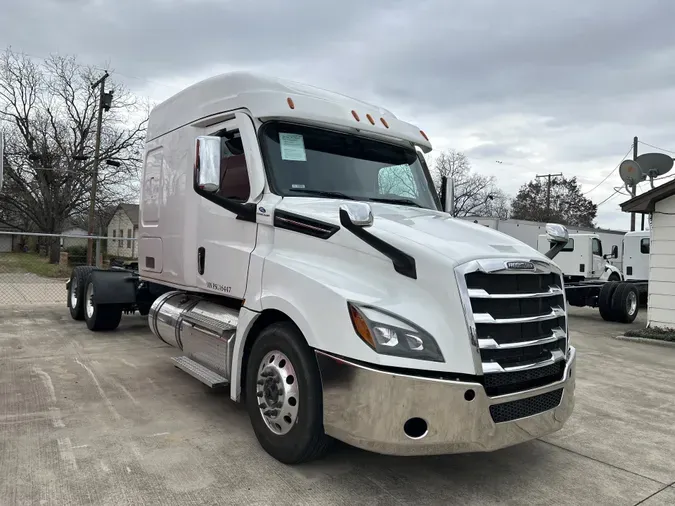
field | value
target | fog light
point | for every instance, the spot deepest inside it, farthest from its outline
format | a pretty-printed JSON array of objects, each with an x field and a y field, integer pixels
[{"x": 415, "y": 428}]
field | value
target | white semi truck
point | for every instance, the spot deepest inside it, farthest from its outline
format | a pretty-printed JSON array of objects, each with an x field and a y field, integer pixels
[{"x": 293, "y": 248}]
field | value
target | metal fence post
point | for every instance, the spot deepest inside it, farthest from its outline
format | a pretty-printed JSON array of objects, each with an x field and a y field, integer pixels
[{"x": 98, "y": 248}]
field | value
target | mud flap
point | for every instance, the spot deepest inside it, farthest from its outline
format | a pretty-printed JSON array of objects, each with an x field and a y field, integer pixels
[{"x": 114, "y": 286}]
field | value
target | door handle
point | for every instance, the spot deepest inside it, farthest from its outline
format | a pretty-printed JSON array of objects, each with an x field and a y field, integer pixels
[{"x": 201, "y": 259}]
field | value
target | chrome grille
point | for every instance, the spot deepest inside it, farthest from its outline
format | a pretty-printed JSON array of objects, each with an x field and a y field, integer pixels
[{"x": 517, "y": 321}]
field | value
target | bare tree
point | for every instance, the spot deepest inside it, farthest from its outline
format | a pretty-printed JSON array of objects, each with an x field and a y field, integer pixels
[
  {"x": 475, "y": 194},
  {"x": 48, "y": 112},
  {"x": 397, "y": 180}
]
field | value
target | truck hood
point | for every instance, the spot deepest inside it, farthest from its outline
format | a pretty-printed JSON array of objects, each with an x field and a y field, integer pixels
[{"x": 407, "y": 227}]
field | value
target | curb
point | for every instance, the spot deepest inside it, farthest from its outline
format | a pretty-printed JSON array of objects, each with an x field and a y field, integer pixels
[{"x": 646, "y": 340}]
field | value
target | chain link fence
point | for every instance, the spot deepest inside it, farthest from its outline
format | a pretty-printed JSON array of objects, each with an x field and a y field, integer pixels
[{"x": 34, "y": 267}]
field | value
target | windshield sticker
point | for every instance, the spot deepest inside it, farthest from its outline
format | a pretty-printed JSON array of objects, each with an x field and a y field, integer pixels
[
  {"x": 292, "y": 147},
  {"x": 297, "y": 186}
]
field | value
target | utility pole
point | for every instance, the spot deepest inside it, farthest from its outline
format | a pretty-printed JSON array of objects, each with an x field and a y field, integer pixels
[
  {"x": 633, "y": 189},
  {"x": 103, "y": 103},
  {"x": 548, "y": 192}
]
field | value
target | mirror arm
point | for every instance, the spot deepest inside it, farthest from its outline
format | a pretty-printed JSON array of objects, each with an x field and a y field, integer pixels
[
  {"x": 403, "y": 263},
  {"x": 245, "y": 211},
  {"x": 557, "y": 248}
]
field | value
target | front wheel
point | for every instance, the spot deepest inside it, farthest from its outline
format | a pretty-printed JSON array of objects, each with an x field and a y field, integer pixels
[
  {"x": 614, "y": 277},
  {"x": 605, "y": 301},
  {"x": 99, "y": 316},
  {"x": 284, "y": 395},
  {"x": 625, "y": 303}
]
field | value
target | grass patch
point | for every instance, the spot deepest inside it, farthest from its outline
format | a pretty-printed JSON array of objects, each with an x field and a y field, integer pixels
[
  {"x": 658, "y": 333},
  {"x": 33, "y": 263}
]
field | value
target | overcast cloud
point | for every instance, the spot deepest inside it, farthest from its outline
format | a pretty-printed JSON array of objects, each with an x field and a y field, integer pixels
[{"x": 541, "y": 86}]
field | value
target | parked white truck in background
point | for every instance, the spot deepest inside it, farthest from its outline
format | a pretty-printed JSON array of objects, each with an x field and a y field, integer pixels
[
  {"x": 635, "y": 253},
  {"x": 293, "y": 247},
  {"x": 590, "y": 280},
  {"x": 582, "y": 258}
]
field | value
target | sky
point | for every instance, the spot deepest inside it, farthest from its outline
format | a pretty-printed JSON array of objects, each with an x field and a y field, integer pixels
[{"x": 523, "y": 87}]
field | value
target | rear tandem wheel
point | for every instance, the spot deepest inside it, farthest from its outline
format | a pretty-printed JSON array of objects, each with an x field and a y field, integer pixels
[{"x": 99, "y": 316}]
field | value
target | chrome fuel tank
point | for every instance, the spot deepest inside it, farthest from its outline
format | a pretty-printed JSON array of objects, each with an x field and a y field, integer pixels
[{"x": 204, "y": 330}]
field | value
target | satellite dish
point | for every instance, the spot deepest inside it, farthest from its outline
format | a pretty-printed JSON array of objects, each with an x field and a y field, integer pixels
[
  {"x": 655, "y": 165},
  {"x": 631, "y": 173}
]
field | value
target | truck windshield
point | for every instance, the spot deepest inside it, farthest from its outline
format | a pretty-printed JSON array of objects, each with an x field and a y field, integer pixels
[{"x": 312, "y": 162}]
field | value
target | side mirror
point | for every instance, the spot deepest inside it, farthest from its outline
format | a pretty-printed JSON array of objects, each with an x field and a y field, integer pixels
[
  {"x": 448, "y": 195},
  {"x": 615, "y": 251},
  {"x": 359, "y": 214},
  {"x": 207, "y": 163},
  {"x": 557, "y": 235}
]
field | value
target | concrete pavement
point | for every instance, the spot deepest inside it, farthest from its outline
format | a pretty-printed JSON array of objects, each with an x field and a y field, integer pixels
[{"x": 105, "y": 419}]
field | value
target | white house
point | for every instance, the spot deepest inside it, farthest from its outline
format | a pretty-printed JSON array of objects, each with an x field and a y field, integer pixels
[
  {"x": 660, "y": 204},
  {"x": 7, "y": 241},
  {"x": 123, "y": 232}
]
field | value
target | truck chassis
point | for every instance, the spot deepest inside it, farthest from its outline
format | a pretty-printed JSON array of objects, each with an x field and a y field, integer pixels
[{"x": 617, "y": 301}]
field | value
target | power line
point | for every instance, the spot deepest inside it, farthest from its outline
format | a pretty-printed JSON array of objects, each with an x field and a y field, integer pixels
[
  {"x": 656, "y": 147},
  {"x": 616, "y": 192},
  {"x": 612, "y": 172}
]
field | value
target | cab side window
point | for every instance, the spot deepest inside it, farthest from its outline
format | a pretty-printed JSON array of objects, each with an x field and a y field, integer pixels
[
  {"x": 597, "y": 247},
  {"x": 569, "y": 246},
  {"x": 234, "y": 183},
  {"x": 644, "y": 246}
]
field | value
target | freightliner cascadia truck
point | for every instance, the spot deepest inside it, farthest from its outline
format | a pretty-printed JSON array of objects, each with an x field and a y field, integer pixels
[{"x": 293, "y": 248}]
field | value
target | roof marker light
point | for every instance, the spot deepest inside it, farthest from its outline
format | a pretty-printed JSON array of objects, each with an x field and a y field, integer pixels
[
  {"x": 424, "y": 135},
  {"x": 356, "y": 116},
  {"x": 370, "y": 118},
  {"x": 384, "y": 122},
  {"x": 290, "y": 103}
]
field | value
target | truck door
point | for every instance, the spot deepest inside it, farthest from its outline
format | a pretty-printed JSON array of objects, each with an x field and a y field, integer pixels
[
  {"x": 598, "y": 261},
  {"x": 225, "y": 242}
]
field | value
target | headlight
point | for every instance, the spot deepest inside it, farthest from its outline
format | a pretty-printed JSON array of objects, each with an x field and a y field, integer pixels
[{"x": 390, "y": 335}]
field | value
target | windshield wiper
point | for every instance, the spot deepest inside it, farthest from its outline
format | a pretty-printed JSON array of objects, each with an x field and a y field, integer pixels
[
  {"x": 403, "y": 202},
  {"x": 322, "y": 193}
]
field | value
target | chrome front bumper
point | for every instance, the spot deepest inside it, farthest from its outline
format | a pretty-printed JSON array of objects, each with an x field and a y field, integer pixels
[{"x": 368, "y": 409}]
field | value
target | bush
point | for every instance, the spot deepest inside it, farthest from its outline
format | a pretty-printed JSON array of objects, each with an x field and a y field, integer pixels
[
  {"x": 659, "y": 333},
  {"x": 77, "y": 255}
]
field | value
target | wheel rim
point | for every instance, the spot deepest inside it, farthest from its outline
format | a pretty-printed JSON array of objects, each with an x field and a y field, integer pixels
[
  {"x": 277, "y": 392},
  {"x": 631, "y": 303},
  {"x": 73, "y": 293},
  {"x": 90, "y": 300}
]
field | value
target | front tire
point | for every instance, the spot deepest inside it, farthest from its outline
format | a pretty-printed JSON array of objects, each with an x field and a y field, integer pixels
[
  {"x": 614, "y": 277},
  {"x": 605, "y": 301},
  {"x": 99, "y": 316},
  {"x": 625, "y": 302},
  {"x": 284, "y": 395}
]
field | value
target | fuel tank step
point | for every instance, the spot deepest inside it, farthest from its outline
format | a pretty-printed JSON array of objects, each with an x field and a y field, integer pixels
[{"x": 198, "y": 371}]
